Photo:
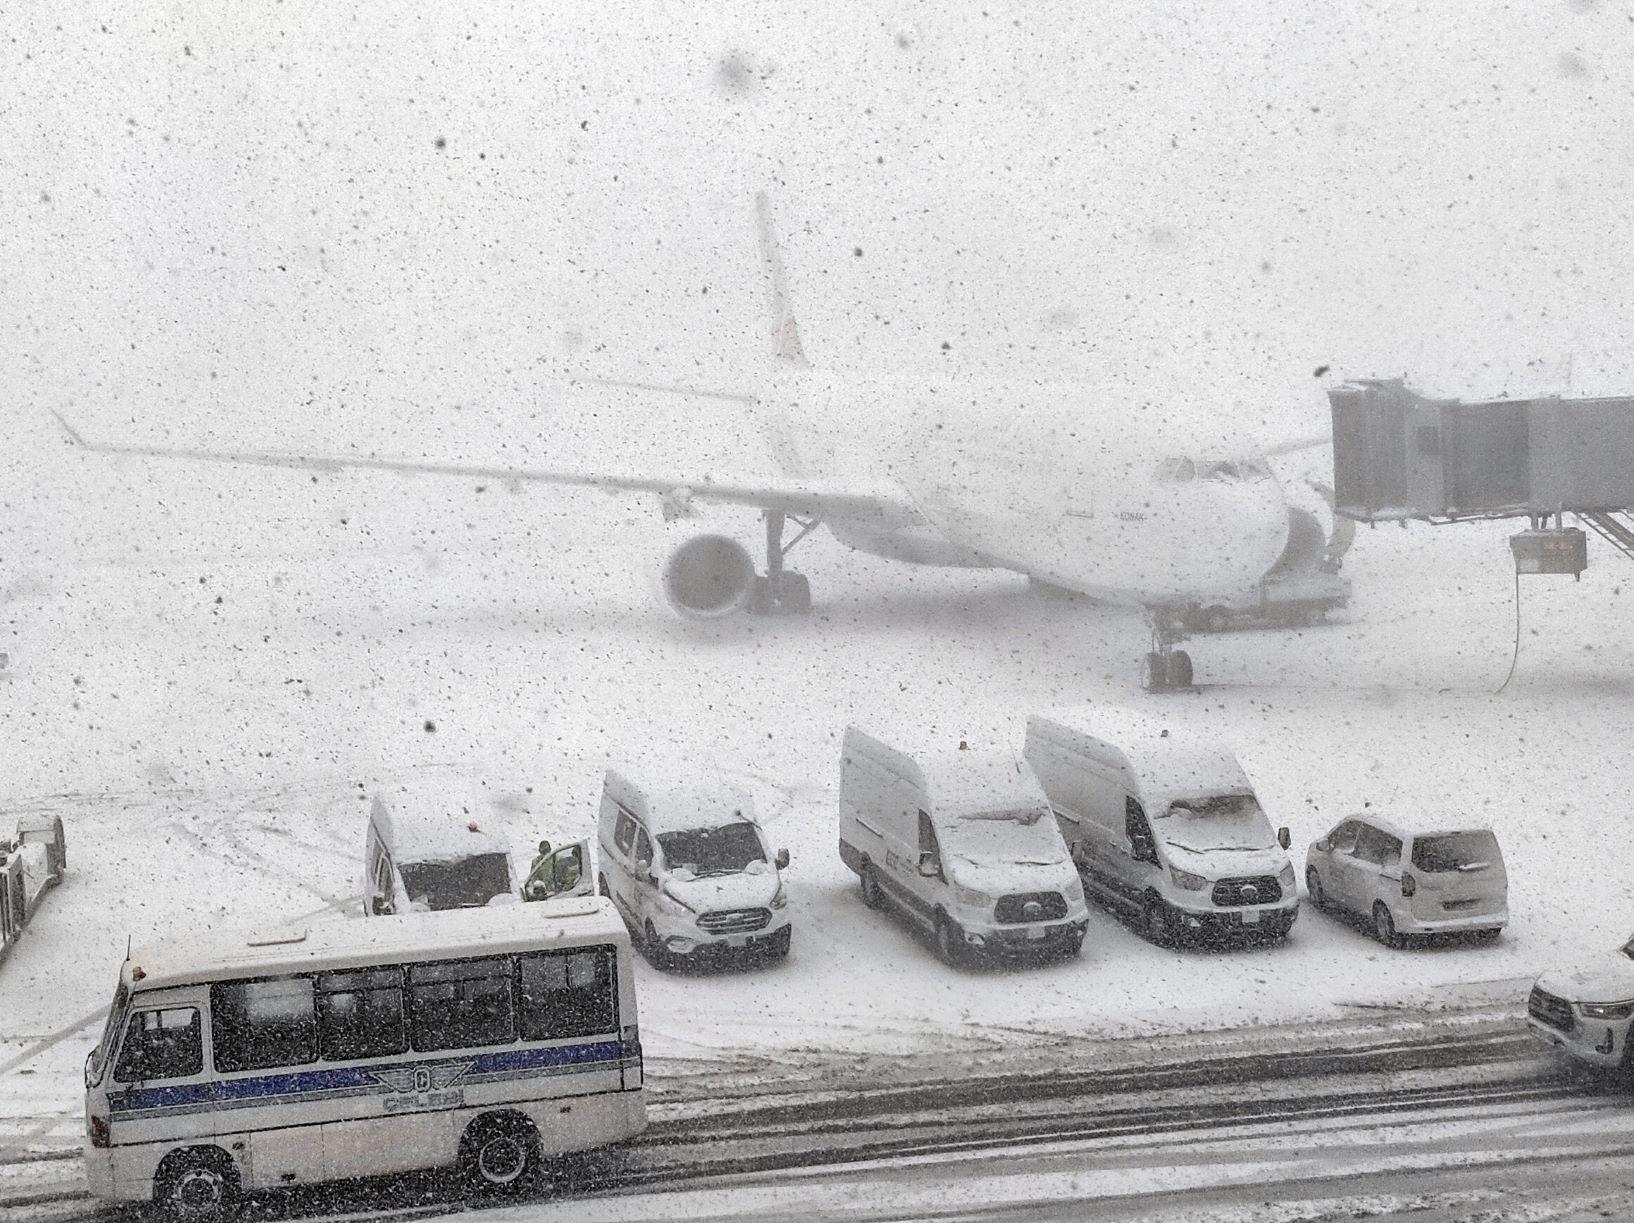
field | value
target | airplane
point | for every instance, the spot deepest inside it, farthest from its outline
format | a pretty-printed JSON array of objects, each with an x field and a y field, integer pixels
[{"x": 1073, "y": 485}]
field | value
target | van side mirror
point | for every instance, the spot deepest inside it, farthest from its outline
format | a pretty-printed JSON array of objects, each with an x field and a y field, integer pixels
[
  {"x": 929, "y": 868},
  {"x": 1322, "y": 846},
  {"x": 1283, "y": 839},
  {"x": 1141, "y": 849},
  {"x": 782, "y": 859}
]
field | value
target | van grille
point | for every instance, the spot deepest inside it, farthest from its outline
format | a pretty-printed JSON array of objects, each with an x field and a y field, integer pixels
[
  {"x": 1548, "y": 1009},
  {"x": 1257, "y": 890},
  {"x": 1030, "y": 906},
  {"x": 735, "y": 921}
]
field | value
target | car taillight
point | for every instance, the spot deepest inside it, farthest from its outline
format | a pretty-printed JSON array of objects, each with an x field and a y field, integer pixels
[
  {"x": 97, "y": 1128},
  {"x": 1409, "y": 885}
]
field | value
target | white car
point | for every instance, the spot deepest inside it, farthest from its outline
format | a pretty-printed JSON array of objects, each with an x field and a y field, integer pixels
[
  {"x": 1410, "y": 881},
  {"x": 1587, "y": 1011}
]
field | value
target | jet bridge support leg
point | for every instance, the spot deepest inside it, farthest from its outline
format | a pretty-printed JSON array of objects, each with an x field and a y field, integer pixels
[
  {"x": 782, "y": 591},
  {"x": 1167, "y": 669}
]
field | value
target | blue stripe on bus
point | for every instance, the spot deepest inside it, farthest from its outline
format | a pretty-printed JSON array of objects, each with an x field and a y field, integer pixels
[{"x": 348, "y": 1079}]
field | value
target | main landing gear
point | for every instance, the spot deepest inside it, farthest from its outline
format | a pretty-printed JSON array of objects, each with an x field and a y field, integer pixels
[
  {"x": 780, "y": 591},
  {"x": 1167, "y": 669}
]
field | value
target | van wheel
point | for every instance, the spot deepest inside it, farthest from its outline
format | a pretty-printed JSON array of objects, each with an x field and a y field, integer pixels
[
  {"x": 198, "y": 1187},
  {"x": 1384, "y": 925},
  {"x": 1159, "y": 928},
  {"x": 500, "y": 1154},
  {"x": 871, "y": 894},
  {"x": 1313, "y": 888},
  {"x": 601, "y": 886},
  {"x": 950, "y": 940},
  {"x": 654, "y": 949}
]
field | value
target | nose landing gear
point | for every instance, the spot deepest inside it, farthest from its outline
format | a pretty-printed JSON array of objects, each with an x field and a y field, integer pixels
[{"x": 1167, "y": 669}]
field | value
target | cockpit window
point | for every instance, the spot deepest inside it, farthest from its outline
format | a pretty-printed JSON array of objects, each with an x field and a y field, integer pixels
[
  {"x": 1219, "y": 470},
  {"x": 1176, "y": 470}
]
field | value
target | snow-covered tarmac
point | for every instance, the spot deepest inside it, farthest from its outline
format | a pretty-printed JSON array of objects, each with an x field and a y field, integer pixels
[{"x": 208, "y": 662}]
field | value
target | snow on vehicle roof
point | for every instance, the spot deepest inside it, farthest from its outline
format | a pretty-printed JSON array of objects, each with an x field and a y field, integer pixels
[
  {"x": 1168, "y": 764},
  {"x": 441, "y": 822},
  {"x": 1415, "y": 823},
  {"x": 680, "y": 797},
  {"x": 957, "y": 780},
  {"x": 453, "y": 933},
  {"x": 966, "y": 782}
]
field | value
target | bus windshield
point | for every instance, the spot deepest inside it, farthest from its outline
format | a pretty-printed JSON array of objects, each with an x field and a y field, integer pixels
[
  {"x": 99, "y": 1056},
  {"x": 727, "y": 850},
  {"x": 463, "y": 883}
]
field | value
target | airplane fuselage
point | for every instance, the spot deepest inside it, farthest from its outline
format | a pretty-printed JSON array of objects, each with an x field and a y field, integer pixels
[{"x": 1111, "y": 499}]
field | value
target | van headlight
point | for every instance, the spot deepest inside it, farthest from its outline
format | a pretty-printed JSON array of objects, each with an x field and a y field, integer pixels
[
  {"x": 1607, "y": 1010},
  {"x": 780, "y": 898},
  {"x": 1074, "y": 891},
  {"x": 971, "y": 897},
  {"x": 1287, "y": 877},
  {"x": 1187, "y": 880}
]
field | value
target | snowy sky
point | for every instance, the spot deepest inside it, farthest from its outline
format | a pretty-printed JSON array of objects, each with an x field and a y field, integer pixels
[{"x": 272, "y": 220}]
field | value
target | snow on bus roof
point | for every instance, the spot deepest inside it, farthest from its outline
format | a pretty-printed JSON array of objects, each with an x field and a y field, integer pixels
[
  {"x": 680, "y": 796},
  {"x": 359, "y": 942}
]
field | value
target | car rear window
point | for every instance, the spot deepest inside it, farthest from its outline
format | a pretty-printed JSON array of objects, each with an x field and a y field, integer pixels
[{"x": 1456, "y": 851}]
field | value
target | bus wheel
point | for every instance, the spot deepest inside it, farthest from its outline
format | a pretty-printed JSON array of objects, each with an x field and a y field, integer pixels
[
  {"x": 199, "y": 1186},
  {"x": 500, "y": 1154}
]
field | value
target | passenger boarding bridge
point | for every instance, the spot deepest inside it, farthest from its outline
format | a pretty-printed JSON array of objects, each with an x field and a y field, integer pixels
[{"x": 1398, "y": 455}]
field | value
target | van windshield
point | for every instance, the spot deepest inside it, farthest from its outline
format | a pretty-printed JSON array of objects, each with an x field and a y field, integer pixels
[
  {"x": 1219, "y": 822},
  {"x": 464, "y": 883},
  {"x": 727, "y": 850},
  {"x": 1456, "y": 851},
  {"x": 1027, "y": 836}
]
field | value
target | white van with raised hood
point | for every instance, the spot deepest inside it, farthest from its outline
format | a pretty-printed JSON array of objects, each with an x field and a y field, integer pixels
[
  {"x": 961, "y": 843},
  {"x": 1164, "y": 825},
  {"x": 689, "y": 867},
  {"x": 1588, "y": 1010}
]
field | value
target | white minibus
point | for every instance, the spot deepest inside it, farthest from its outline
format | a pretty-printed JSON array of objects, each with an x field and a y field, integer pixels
[{"x": 487, "y": 1039}]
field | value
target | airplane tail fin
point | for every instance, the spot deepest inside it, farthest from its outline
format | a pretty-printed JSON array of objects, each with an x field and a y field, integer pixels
[{"x": 787, "y": 329}]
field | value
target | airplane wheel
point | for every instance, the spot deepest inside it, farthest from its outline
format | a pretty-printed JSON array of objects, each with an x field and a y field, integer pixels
[
  {"x": 1157, "y": 673},
  {"x": 795, "y": 596},
  {"x": 790, "y": 595},
  {"x": 1180, "y": 669}
]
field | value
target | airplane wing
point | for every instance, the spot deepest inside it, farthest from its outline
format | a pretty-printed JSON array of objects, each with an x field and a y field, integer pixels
[{"x": 807, "y": 498}]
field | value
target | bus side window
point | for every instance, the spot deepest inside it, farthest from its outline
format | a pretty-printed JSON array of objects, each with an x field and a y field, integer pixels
[
  {"x": 360, "y": 1014},
  {"x": 160, "y": 1045},
  {"x": 258, "y": 1024},
  {"x": 462, "y": 1005},
  {"x": 567, "y": 993}
]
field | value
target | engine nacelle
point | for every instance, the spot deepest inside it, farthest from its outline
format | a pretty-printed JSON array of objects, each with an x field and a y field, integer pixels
[{"x": 708, "y": 576}]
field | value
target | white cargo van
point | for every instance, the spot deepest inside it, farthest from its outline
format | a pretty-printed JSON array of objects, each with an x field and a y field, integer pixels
[
  {"x": 688, "y": 866},
  {"x": 1164, "y": 825},
  {"x": 433, "y": 847},
  {"x": 963, "y": 844}
]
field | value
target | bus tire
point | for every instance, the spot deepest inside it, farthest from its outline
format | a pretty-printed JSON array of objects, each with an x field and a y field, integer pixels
[
  {"x": 500, "y": 1154},
  {"x": 198, "y": 1185}
]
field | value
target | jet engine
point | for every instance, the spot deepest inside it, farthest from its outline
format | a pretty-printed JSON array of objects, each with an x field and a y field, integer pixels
[{"x": 708, "y": 576}]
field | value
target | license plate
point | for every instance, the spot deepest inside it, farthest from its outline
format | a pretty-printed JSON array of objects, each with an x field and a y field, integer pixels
[
  {"x": 1251, "y": 917},
  {"x": 1036, "y": 933}
]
